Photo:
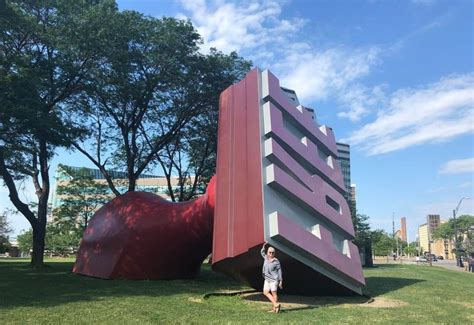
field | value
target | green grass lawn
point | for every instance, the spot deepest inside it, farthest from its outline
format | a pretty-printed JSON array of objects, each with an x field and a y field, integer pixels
[{"x": 429, "y": 295}]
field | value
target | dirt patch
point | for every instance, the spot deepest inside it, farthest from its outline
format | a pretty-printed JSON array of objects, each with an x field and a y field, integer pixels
[
  {"x": 380, "y": 302},
  {"x": 301, "y": 302},
  {"x": 465, "y": 304}
]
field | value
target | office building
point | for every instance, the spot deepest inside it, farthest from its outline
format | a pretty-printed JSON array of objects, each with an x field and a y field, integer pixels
[
  {"x": 439, "y": 247},
  {"x": 433, "y": 221},
  {"x": 344, "y": 159},
  {"x": 353, "y": 198},
  {"x": 423, "y": 238},
  {"x": 146, "y": 183}
]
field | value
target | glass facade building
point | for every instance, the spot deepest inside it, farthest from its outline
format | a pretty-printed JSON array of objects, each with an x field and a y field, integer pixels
[
  {"x": 145, "y": 183},
  {"x": 344, "y": 159}
]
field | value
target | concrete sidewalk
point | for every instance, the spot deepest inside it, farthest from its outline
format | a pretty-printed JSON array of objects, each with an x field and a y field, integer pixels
[{"x": 447, "y": 264}]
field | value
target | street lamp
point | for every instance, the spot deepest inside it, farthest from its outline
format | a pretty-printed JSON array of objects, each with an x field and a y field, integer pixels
[{"x": 456, "y": 246}]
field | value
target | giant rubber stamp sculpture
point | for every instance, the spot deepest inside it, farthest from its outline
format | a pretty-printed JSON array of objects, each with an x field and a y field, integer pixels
[{"x": 277, "y": 181}]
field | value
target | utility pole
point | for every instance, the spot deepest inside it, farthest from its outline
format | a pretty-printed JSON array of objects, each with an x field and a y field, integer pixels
[
  {"x": 393, "y": 224},
  {"x": 456, "y": 245},
  {"x": 393, "y": 228},
  {"x": 393, "y": 233},
  {"x": 429, "y": 247},
  {"x": 456, "y": 252}
]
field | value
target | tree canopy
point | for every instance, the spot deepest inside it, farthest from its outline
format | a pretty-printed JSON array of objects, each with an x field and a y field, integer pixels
[
  {"x": 154, "y": 96},
  {"x": 47, "y": 52},
  {"x": 124, "y": 89}
]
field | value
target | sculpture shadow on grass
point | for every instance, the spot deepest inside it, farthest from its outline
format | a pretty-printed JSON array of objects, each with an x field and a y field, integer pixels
[
  {"x": 56, "y": 285},
  {"x": 380, "y": 285}
]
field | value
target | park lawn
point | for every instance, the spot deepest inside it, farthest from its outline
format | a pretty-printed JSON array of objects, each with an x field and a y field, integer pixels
[{"x": 55, "y": 295}]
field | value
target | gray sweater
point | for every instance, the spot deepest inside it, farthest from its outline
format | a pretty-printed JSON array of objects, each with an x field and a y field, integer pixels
[{"x": 271, "y": 270}]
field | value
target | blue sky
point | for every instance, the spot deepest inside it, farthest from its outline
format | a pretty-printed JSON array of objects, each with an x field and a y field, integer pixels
[{"x": 395, "y": 79}]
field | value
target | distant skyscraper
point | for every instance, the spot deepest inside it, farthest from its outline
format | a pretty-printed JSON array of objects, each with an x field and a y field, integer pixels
[
  {"x": 344, "y": 159},
  {"x": 403, "y": 226},
  {"x": 353, "y": 197},
  {"x": 433, "y": 221}
]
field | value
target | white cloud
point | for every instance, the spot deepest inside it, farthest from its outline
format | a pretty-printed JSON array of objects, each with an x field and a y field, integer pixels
[
  {"x": 240, "y": 26},
  {"x": 458, "y": 166},
  {"x": 360, "y": 100},
  {"x": 316, "y": 75},
  {"x": 433, "y": 113},
  {"x": 256, "y": 30}
]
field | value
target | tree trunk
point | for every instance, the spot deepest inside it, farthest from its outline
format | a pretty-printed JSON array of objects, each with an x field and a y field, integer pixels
[
  {"x": 37, "y": 257},
  {"x": 39, "y": 229},
  {"x": 132, "y": 182}
]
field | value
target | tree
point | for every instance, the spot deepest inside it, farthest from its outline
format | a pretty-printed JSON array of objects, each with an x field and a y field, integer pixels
[
  {"x": 192, "y": 155},
  {"x": 59, "y": 240},
  {"x": 80, "y": 196},
  {"x": 47, "y": 51},
  {"x": 444, "y": 231},
  {"x": 447, "y": 231},
  {"x": 151, "y": 95},
  {"x": 363, "y": 236},
  {"x": 465, "y": 225},
  {"x": 25, "y": 241},
  {"x": 141, "y": 94},
  {"x": 4, "y": 231},
  {"x": 361, "y": 229},
  {"x": 382, "y": 243},
  {"x": 411, "y": 249}
]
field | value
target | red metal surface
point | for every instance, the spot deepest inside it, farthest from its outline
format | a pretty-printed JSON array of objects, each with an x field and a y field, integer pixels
[
  {"x": 142, "y": 236},
  {"x": 238, "y": 222}
]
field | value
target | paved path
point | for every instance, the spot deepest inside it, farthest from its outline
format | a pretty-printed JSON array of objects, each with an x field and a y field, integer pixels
[{"x": 447, "y": 264}]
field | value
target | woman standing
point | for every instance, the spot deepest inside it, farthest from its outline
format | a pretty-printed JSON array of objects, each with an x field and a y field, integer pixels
[{"x": 271, "y": 272}]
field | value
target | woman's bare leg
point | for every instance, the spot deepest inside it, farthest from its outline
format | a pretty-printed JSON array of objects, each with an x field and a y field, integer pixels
[
  {"x": 276, "y": 306},
  {"x": 270, "y": 297},
  {"x": 275, "y": 296}
]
